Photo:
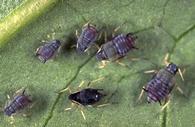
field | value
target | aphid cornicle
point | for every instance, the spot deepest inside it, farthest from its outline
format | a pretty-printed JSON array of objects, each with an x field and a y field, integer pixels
[
  {"x": 87, "y": 37},
  {"x": 118, "y": 47},
  {"x": 18, "y": 103},
  {"x": 162, "y": 83},
  {"x": 86, "y": 96},
  {"x": 48, "y": 50}
]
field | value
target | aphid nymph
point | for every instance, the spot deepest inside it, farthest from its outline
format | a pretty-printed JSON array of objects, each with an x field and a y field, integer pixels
[
  {"x": 161, "y": 84},
  {"x": 118, "y": 47},
  {"x": 18, "y": 103},
  {"x": 48, "y": 50},
  {"x": 87, "y": 37}
]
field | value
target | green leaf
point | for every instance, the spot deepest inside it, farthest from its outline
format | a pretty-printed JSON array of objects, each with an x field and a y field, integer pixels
[{"x": 161, "y": 26}]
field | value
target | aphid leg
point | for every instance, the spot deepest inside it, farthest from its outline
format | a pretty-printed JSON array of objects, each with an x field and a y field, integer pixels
[
  {"x": 179, "y": 89},
  {"x": 53, "y": 35},
  {"x": 77, "y": 34},
  {"x": 99, "y": 37},
  {"x": 167, "y": 101},
  {"x": 82, "y": 113},
  {"x": 81, "y": 84},
  {"x": 120, "y": 63},
  {"x": 37, "y": 51},
  {"x": 97, "y": 46},
  {"x": 166, "y": 59},
  {"x": 181, "y": 75},
  {"x": 87, "y": 24},
  {"x": 96, "y": 80},
  {"x": 141, "y": 94},
  {"x": 64, "y": 90},
  {"x": 150, "y": 71},
  {"x": 20, "y": 91},
  {"x": 103, "y": 64},
  {"x": 103, "y": 105},
  {"x": 105, "y": 37},
  {"x": 116, "y": 29},
  {"x": 159, "y": 102}
]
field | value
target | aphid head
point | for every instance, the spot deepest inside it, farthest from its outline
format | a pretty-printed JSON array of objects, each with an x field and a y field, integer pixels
[
  {"x": 100, "y": 55},
  {"x": 56, "y": 43},
  {"x": 131, "y": 37},
  {"x": 172, "y": 68},
  {"x": 73, "y": 97}
]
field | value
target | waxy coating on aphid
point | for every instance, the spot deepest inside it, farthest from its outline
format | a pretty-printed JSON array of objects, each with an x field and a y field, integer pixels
[
  {"x": 87, "y": 96},
  {"x": 18, "y": 103},
  {"x": 87, "y": 37},
  {"x": 161, "y": 84},
  {"x": 48, "y": 50},
  {"x": 118, "y": 47}
]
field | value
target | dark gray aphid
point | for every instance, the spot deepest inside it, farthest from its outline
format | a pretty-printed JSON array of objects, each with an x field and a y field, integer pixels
[
  {"x": 162, "y": 83},
  {"x": 87, "y": 37},
  {"x": 48, "y": 50},
  {"x": 118, "y": 47},
  {"x": 18, "y": 103}
]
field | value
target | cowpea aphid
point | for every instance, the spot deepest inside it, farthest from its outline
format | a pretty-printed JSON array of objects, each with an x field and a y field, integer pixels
[
  {"x": 18, "y": 103},
  {"x": 86, "y": 96},
  {"x": 87, "y": 37},
  {"x": 118, "y": 47},
  {"x": 48, "y": 50}
]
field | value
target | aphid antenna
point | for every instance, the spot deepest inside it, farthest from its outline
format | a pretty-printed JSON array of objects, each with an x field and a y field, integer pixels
[
  {"x": 64, "y": 90},
  {"x": 166, "y": 59},
  {"x": 103, "y": 105},
  {"x": 87, "y": 24}
]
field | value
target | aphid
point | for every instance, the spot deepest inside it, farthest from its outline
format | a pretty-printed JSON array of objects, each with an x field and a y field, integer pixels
[
  {"x": 161, "y": 85},
  {"x": 118, "y": 47},
  {"x": 87, "y": 37},
  {"x": 86, "y": 96},
  {"x": 48, "y": 50},
  {"x": 18, "y": 103}
]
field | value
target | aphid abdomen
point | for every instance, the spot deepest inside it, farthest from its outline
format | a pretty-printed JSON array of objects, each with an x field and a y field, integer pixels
[
  {"x": 18, "y": 103},
  {"x": 160, "y": 86},
  {"x": 88, "y": 36},
  {"x": 48, "y": 50},
  {"x": 109, "y": 49},
  {"x": 122, "y": 44},
  {"x": 157, "y": 90}
]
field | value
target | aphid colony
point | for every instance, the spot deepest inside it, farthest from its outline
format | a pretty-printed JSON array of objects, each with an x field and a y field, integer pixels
[{"x": 157, "y": 89}]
